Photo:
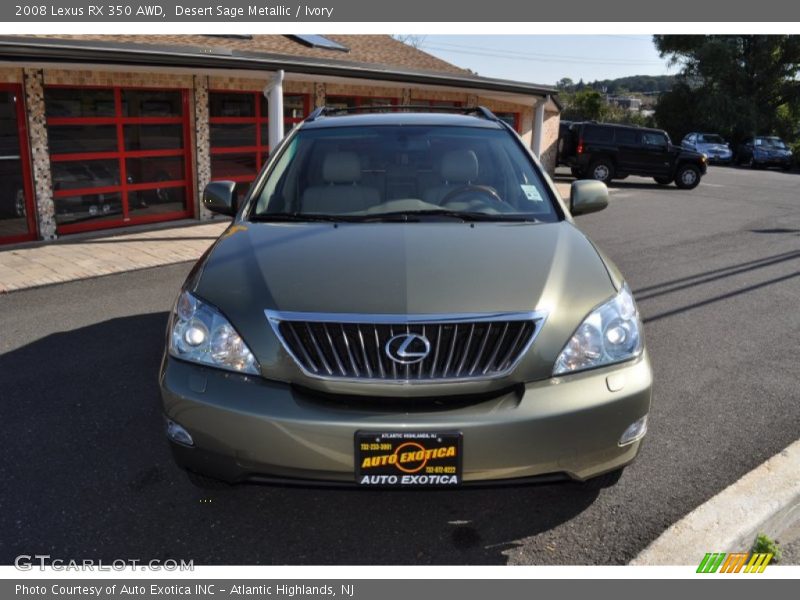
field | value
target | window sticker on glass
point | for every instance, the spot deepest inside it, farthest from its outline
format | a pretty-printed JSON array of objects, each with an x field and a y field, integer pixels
[{"x": 531, "y": 192}]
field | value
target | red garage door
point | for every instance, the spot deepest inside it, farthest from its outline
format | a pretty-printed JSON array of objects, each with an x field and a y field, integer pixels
[{"x": 119, "y": 156}]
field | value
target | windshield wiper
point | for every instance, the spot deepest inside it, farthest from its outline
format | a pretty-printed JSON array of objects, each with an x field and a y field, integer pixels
[
  {"x": 401, "y": 216},
  {"x": 300, "y": 217},
  {"x": 461, "y": 215}
]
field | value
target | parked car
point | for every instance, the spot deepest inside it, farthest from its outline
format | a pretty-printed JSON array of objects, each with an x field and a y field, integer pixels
[
  {"x": 433, "y": 319},
  {"x": 760, "y": 152},
  {"x": 716, "y": 149},
  {"x": 74, "y": 175},
  {"x": 605, "y": 152}
]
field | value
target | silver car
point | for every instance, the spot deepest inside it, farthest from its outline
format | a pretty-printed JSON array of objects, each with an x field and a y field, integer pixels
[{"x": 716, "y": 149}]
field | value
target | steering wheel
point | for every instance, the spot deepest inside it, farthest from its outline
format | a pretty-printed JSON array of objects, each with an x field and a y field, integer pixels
[{"x": 485, "y": 190}]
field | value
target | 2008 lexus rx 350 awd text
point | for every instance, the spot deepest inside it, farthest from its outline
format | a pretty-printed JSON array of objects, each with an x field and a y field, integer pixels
[{"x": 402, "y": 299}]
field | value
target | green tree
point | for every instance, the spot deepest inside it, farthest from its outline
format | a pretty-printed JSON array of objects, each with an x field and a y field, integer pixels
[
  {"x": 736, "y": 85},
  {"x": 565, "y": 84},
  {"x": 586, "y": 105}
]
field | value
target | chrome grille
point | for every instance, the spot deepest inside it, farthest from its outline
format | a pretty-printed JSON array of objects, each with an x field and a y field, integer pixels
[{"x": 461, "y": 347}]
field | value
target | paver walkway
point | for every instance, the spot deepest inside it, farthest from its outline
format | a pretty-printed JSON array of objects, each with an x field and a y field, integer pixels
[{"x": 24, "y": 267}]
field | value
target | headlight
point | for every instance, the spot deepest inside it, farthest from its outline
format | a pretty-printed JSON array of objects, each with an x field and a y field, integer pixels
[
  {"x": 201, "y": 334},
  {"x": 611, "y": 333}
]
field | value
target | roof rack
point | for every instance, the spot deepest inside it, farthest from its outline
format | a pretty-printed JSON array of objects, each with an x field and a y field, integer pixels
[{"x": 324, "y": 111}]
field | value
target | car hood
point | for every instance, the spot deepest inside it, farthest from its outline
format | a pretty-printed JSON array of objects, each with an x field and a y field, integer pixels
[
  {"x": 688, "y": 152},
  {"x": 408, "y": 268},
  {"x": 773, "y": 151},
  {"x": 713, "y": 148}
]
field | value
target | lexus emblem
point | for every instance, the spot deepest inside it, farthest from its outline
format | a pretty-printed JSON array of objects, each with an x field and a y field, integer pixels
[{"x": 408, "y": 348}]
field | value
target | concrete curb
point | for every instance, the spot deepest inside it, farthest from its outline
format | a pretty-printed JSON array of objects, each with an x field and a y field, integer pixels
[{"x": 766, "y": 500}]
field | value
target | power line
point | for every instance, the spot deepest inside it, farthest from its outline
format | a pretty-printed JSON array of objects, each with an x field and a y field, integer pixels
[
  {"x": 518, "y": 53},
  {"x": 548, "y": 57}
]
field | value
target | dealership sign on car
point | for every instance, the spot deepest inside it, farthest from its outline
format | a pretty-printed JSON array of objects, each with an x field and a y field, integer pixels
[{"x": 408, "y": 459}]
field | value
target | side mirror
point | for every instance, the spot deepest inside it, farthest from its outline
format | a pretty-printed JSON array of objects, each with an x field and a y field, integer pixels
[
  {"x": 220, "y": 197},
  {"x": 587, "y": 196}
]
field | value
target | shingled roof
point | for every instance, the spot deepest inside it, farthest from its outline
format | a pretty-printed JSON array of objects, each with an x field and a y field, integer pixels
[{"x": 376, "y": 49}]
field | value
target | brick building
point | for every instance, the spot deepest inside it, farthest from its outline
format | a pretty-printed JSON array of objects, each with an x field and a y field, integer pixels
[{"x": 99, "y": 132}]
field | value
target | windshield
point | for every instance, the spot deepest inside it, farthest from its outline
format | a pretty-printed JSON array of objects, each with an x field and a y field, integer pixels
[
  {"x": 711, "y": 139},
  {"x": 771, "y": 143},
  {"x": 406, "y": 172}
]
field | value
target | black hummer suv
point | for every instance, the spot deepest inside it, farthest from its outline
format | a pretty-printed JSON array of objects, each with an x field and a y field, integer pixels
[{"x": 605, "y": 152}]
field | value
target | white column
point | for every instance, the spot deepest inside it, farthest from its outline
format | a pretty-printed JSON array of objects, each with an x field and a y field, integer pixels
[
  {"x": 538, "y": 126},
  {"x": 274, "y": 94}
]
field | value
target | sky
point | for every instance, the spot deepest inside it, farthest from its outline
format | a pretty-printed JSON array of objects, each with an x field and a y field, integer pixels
[{"x": 545, "y": 59}]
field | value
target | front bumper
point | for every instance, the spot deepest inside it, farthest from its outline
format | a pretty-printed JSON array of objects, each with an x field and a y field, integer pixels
[
  {"x": 248, "y": 428},
  {"x": 723, "y": 159},
  {"x": 773, "y": 161}
]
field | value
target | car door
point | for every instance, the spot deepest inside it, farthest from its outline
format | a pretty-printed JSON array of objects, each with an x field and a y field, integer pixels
[
  {"x": 629, "y": 159},
  {"x": 656, "y": 158}
]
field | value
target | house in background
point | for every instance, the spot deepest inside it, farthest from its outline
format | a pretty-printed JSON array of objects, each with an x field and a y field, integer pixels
[
  {"x": 627, "y": 102},
  {"x": 100, "y": 131}
]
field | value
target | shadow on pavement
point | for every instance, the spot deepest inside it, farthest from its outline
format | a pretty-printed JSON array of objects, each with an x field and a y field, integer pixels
[
  {"x": 87, "y": 473},
  {"x": 776, "y": 230},
  {"x": 683, "y": 283}
]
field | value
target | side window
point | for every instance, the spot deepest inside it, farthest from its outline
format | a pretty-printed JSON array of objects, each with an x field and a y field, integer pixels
[
  {"x": 653, "y": 138},
  {"x": 692, "y": 137},
  {"x": 625, "y": 136},
  {"x": 594, "y": 133},
  {"x": 759, "y": 142}
]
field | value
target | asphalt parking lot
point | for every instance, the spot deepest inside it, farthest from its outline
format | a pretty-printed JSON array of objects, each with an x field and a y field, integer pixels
[{"x": 86, "y": 472}]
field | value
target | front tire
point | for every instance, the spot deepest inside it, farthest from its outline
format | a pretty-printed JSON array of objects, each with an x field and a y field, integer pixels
[
  {"x": 602, "y": 170},
  {"x": 687, "y": 177}
]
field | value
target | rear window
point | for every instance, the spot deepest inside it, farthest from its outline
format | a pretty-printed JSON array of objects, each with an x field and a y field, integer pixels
[{"x": 369, "y": 171}]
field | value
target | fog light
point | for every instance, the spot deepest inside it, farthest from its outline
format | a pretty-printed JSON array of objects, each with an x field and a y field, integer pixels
[
  {"x": 635, "y": 431},
  {"x": 178, "y": 434}
]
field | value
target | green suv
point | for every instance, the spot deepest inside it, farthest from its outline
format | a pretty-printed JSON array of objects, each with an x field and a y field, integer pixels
[{"x": 403, "y": 300}]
